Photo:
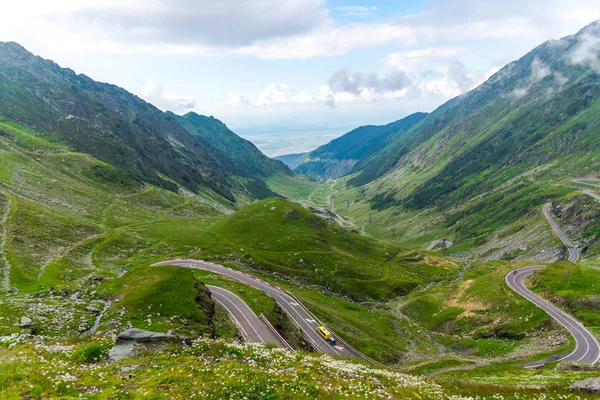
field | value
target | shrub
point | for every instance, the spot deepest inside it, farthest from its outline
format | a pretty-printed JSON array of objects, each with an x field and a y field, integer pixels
[{"x": 91, "y": 352}]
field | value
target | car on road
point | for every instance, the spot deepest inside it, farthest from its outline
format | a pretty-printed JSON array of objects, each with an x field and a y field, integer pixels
[{"x": 325, "y": 334}]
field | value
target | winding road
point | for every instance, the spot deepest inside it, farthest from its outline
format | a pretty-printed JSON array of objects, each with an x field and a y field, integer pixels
[
  {"x": 252, "y": 328},
  {"x": 587, "y": 348},
  {"x": 297, "y": 312},
  {"x": 573, "y": 252}
]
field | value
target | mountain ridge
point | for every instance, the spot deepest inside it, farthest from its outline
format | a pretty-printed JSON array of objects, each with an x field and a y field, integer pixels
[
  {"x": 119, "y": 128},
  {"x": 347, "y": 153}
]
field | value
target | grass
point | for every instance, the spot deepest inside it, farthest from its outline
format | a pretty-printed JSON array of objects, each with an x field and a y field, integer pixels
[
  {"x": 510, "y": 376},
  {"x": 91, "y": 352},
  {"x": 225, "y": 369},
  {"x": 160, "y": 299},
  {"x": 478, "y": 316},
  {"x": 291, "y": 241},
  {"x": 573, "y": 287},
  {"x": 292, "y": 187}
]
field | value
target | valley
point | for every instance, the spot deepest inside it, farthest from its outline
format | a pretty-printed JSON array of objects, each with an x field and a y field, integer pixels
[{"x": 449, "y": 255}]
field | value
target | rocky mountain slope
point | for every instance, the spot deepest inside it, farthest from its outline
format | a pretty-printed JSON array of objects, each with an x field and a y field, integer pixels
[{"x": 121, "y": 129}]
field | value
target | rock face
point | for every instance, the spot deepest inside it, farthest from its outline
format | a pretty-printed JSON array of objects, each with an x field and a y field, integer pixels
[
  {"x": 590, "y": 385},
  {"x": 141, "y": 336}
]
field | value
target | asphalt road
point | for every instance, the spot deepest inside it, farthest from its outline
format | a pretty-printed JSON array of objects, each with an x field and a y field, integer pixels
[
  {"x": 252, "y": 328},
  {"x": 587, "y": 348},
  {"x": 295, "y": 310},
  {"x": 573, "y": 252}
]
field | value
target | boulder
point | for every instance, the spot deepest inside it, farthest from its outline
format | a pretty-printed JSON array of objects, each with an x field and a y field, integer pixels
[
  {"x": 120, "y": 351},
  {"x": 28, "y": 325},
  {"x": 590, "y": 385},
  {"x": 142, "y": 336},
  {"x": 575, "y": 366}
]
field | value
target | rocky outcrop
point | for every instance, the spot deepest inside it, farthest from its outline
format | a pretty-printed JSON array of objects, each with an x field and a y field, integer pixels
[
  {"x": 128, "y": 341},
  {"x": 590, "y": 385},
  {"x": 142, "y": 336}
]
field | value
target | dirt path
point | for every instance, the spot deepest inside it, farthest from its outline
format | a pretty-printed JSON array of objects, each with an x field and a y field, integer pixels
[
  {"x": 66, "y": 251},
  {"x": 5, "y": 262}
]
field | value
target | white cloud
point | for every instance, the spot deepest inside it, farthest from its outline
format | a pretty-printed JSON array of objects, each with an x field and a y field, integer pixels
[
  {"x": 235, "y": 99},
  {"x": 282, "y": 94},
  {"x": 153, "y": 93},
  {"x": 415, "y": 59},
  {"x": 539, "y": 71},
  {"x": 356, "y": 11},
  {"x": 275, "y": 29},
  {"x": 587, "y": 51}
]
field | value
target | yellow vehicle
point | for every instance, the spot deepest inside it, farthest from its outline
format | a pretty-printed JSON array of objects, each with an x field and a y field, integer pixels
[{"x": 325, "y": 334}]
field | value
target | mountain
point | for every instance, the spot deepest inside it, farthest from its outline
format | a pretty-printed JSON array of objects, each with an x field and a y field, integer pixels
[
  {"x": 348, "y": 152},
  {"x": 492, "y": 156},
  {"x": 292, "y": 160},
  {"x": 121, "y": 129},
  {"x": 526, "y": 114},
  {"x": 240, "y": 156}
]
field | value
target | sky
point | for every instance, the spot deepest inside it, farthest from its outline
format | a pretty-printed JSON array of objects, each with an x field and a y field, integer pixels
[{"x": 291, "y": 74}]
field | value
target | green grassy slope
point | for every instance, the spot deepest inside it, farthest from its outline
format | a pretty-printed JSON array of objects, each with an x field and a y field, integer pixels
[
  {"x": 284, "y": 238},
  {"x": 574, "y": 288},
  {"x": 218, "y": 369},
  {"x": 479, "y": 316}
]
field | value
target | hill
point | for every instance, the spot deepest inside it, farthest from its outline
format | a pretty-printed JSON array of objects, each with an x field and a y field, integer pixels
[
  {"x": 79, "y": 235},
  {"x": 121, "y": 129},
  {"x": 348, "y": 152},
  {"x": 292, "y": 160},
  {"x": 290, "y": 241}
]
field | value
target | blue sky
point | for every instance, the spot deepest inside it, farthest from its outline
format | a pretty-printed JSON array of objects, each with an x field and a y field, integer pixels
[{"x": 291, "y": 74}]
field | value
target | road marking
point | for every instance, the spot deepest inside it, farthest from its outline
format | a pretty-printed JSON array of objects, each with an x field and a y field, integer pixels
[{"x": 311, "y": 320}]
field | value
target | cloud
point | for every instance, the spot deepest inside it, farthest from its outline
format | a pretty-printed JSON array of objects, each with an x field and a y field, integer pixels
[
  {"x": 227, "y": 23},
  {"x": 274, "y": 29},
  {"x": 356, "y": 11},
  {"x": 414, "y": 59},
  {"x": 587, "y": 50},
  {"x": 153, "y": 93},
  {"x": 236, "y": 99},
  {"x": 282, "y": 94},
  {"x": 450, "y": 80},
  {"x": 355, "y": 82},
  {"x": 539, "y": 71}
]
